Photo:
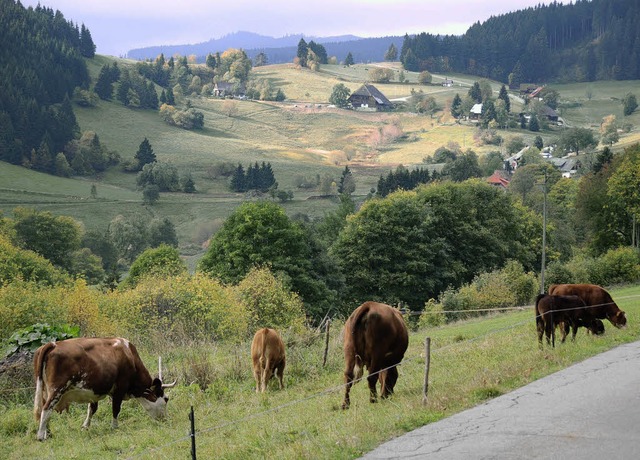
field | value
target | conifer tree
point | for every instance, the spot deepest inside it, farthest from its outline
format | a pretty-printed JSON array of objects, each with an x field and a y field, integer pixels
[
  {"x": 145, "y": 154},
  {"x": 504, "y": 95},
  {"x": 238, "y": 180},
  {"x": 349, "y": 59}
]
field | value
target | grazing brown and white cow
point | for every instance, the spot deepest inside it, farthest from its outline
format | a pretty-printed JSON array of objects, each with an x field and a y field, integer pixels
[
  {"x": 86, "y": 370},
  {"x": 375, "y": 336},
  {"x": 564, "y": 311},
  {"x": 598, "y": 301},
  {"x": 268, "y": 356}
]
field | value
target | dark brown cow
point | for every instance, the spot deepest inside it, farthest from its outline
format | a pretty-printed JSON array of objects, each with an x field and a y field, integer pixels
[
  {"x": 375, "y": 336},
  {"x": 86, "y": 370},
  {"x": 564, "y": 311},
  {"x": 268, "y": 356},
  {"x": 598, "y": 301}
]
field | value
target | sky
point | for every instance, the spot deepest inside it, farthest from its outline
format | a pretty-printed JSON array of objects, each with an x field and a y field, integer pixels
[{"x": 118, "y": 26}]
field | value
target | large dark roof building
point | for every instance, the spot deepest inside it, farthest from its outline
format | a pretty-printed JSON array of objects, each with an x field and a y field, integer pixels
[{"x": 368, "y": 96}]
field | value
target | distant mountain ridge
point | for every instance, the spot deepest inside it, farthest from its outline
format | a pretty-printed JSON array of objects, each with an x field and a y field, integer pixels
[{"x": 278, "y": 50}]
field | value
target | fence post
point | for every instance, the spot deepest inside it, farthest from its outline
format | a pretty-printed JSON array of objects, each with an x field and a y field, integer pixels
[
  {"x": 427, "y": 362},
  {"x": 326, "y": 342},
  {"x": 193, "y": 434}
]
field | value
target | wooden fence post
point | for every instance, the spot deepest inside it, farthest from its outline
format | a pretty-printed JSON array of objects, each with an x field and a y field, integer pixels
[
  {"x": 193, "y": 434},
  {"x": 326, "y": 342},
  {"x": 427, "y": 363}
]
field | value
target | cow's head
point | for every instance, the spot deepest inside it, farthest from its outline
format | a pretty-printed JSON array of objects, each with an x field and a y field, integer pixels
[
  {"x": 618, "y": 319},
  {"x": 154, "y": 400}
]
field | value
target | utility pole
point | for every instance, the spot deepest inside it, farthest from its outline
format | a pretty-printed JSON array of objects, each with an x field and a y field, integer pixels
[{"x": 544, "y": 232}]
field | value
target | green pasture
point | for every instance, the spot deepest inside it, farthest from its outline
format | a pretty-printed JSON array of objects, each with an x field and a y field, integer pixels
[
  {"x": 299, "y": 137},
  {"x": 471, "y": 361}
]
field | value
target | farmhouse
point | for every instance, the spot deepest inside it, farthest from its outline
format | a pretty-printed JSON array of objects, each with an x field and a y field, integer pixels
[
  {"x": 224, "y": 89},
  {"x": 369, "y": 97},
  {"x": 447, "y": 82},
  {"x": 476, "y": 112},
  {"x": 499, "y": 178}
]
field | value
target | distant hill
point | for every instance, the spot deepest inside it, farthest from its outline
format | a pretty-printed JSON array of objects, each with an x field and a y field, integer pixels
[{"x": 278, "y": 50}]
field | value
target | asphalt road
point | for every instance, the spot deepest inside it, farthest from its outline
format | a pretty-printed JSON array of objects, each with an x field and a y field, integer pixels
[{"x": 590, "y": 410}]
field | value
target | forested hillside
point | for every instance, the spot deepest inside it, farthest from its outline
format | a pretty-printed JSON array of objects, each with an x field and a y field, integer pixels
[
  {"x": 42, "y": 63},
  {"x": 581, "y": 41}
]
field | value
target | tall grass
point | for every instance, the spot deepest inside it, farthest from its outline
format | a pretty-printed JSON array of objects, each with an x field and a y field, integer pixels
[{"x": 471, "y": 361}]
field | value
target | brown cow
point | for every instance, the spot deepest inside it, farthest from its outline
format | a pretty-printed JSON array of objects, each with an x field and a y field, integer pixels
[
  {"x": 86, "y": 370},
  {"x": 565, "y": 311},
  {"x": 375, "y": 336},
  {"x": 268, "y": 356},
  {"x": 598, "y": 301}
]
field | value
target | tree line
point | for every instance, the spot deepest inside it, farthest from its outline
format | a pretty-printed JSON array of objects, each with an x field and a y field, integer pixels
[
  {"x": 42, "y": 63},
  {"x": 580, "y": 41}
]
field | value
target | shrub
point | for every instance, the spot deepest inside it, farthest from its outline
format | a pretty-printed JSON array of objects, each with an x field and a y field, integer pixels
[
  {"x": 269, "y": 302},
  {"x": 510, "y": 286},
  {"x": 181, "y": 308},
  {"x": 161, "y": 261},
  {"x": 25, "y": 303}
]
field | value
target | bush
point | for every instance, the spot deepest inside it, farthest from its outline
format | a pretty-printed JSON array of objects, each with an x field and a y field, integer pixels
[
  {"x": 620, "y": 265},
  {"x": 269, "y": 302},
  {"x": 161, "y": 261},
  {"x": 180, "y": 308},
  {"x": 508, "y": 287},
  {"x": 25, "y": 303}
]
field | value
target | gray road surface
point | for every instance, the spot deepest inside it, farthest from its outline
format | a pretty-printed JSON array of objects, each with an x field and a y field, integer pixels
[{"x": 590, "y": 410}]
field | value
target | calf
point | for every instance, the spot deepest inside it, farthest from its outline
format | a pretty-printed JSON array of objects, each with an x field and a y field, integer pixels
[
  {"x": 268, "y": 356},
  {"x": 375, "y": 336},
  {"x": 86, "y": 370},
  {"x": 565, "y": 311}
]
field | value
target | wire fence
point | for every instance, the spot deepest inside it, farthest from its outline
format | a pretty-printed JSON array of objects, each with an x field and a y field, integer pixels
[{"x": 329, "y": 390}]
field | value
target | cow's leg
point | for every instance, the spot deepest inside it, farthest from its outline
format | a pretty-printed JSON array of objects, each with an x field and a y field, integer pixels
[
  {"x": 540, "y": 329},
  {"x": 389, "y": 382},
  {"x": 257, "y": 375},
  {"x": 574, "y": 330},
  {"x": 280, "y": 373},
  {"x": 564, "y": 329},
  {"x": 116, "y": 404},
  {"x": 348, "y": 380},
  {"x": 267, "y": 373},
  {"x": 44, "y": 421},
  {"x": 47, "y": 410},
  {"x": 373, "y": 380},
  {"x": 91, "y": 409}
]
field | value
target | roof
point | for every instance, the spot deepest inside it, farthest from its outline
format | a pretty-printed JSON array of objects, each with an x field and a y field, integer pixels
[
  {"x": 477, "y": 109},
  {"x": 535, "y": 92},
  {"x": 498, "y": 178},
  {"x": 548, "y": 111},
  {"x": 564, "y": 164},
  {"x": 371, "y": 91}
]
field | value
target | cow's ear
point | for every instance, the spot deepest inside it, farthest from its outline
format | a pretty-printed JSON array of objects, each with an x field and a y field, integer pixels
[{"x": 156, "y": 387}]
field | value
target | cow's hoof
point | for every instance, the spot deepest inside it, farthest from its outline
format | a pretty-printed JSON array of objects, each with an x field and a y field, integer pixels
[{"x": 345, "y": 405}]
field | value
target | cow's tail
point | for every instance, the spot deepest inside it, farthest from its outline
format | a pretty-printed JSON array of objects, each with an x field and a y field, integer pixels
[
  {"x": 539, "y": 320},
  {"x": 38, "y": 368},
  {"x": 359, "y": 322}
]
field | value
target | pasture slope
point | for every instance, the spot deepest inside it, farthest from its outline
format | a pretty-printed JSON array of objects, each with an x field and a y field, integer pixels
[
  {"x": 471, "y": 361},
  {"x": 301, "y": 137}
]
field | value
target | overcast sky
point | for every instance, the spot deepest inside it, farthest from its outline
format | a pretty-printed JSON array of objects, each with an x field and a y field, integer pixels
[{"x": 118, "y": 26}]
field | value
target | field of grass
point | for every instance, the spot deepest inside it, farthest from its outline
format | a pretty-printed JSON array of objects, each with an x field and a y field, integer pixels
[
  {"x": 299, "y": 137},
  {"x": 471, "y": 361}
]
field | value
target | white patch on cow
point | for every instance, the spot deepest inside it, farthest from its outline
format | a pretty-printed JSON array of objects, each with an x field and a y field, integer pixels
[
  {"x": 42, "y": 429},
  {"x": 79, "y": 394},
  {"x": 117, "y": 343},
  {"x": 156, "y": 409}
]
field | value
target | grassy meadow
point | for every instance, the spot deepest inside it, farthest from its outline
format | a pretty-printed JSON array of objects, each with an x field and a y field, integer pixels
[
  {"x": 301, "y": 136},
  {"x": 471, "y": 361}
]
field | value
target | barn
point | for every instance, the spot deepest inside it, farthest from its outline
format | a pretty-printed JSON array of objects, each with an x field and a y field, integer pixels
[{"x": 369, "y": 97}]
